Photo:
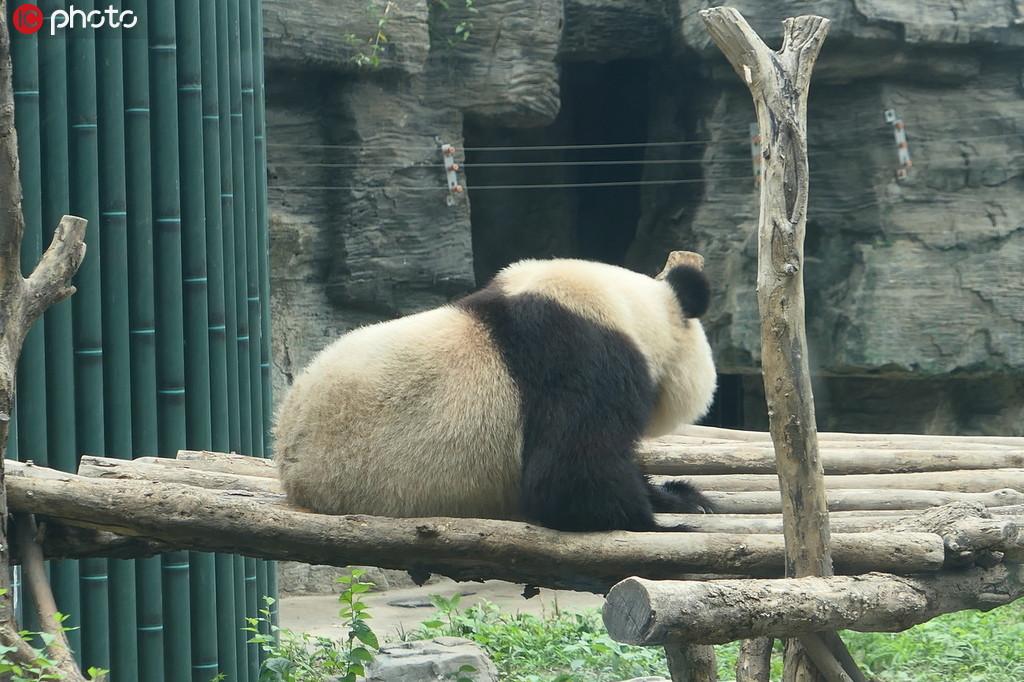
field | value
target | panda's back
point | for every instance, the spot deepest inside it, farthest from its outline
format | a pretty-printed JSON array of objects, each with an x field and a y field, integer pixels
[{"x": 413, "y": 417}]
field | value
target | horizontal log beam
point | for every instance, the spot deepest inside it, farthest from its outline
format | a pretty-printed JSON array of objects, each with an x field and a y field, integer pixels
[
  {"x": 894, "y": 439},
  {"x": 59, "y": 541},
  {"x": 670, "y": 456},
  {"x": 187, "y": 517},
  {"x": 866, "y": 522},
  {"x": 969, "y": 481},
  {"x": 173, "y": 471},
  {"x": 194, "y": 472},
  {"x": 223, "y": 462},
  {"x": 640, "y": 611},
  {"x": 768, "y": 502}
]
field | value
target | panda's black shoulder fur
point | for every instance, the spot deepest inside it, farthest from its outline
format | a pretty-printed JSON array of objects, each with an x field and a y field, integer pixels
[
  {"x": 585, "y": 395},
  {"x": 692, "y": 289}
]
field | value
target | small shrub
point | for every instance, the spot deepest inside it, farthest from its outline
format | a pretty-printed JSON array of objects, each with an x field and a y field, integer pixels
[{"x": 300, "y": 657}]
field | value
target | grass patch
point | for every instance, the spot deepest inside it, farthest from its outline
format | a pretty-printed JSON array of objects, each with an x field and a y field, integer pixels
[{"x": 574, "y": 647}]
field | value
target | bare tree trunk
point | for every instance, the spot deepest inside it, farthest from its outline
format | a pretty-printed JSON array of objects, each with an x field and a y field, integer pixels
[{"x": 779, "y": 83}]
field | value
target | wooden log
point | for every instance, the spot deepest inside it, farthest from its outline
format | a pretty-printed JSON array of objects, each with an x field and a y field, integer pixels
[
  {"x": 865, "y": 523},
  {"x": 68, "y": 542},
  {"x": 979, "y": 481},
  {"x": 861, "y": 500},
  {"x": 188, "y": 517},
  {"x": 169, "y": 471},
  {"x": 670, "y": 458},
  {"x": 223, "y": 462},
  {"x": 640, "y": 611},
  {"x": 894, "y": 439}
]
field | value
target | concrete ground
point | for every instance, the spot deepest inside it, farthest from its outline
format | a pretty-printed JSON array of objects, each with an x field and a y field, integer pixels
[{"x": 395, "y": 611}]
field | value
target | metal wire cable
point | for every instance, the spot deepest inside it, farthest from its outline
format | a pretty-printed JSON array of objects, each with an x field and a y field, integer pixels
[{"x": 471, "y": 188}]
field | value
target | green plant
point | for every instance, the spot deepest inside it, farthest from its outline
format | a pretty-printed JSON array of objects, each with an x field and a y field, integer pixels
[
  {"x": 41, "y": 667},
  {"x": 566, "y": 647},
  {"x": 969, "y": 646},
  {"x": 300, "y": 657},
  {"x": 373, "y": 48},
  {"x": 464, "y": 26}
]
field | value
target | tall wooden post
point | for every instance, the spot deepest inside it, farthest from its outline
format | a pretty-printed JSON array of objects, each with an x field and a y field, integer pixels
[{"x": 779, "y": 82}]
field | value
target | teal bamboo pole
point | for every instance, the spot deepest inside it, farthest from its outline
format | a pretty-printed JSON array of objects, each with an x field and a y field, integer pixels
[
  {"x": 86, "y": 307},
  {"x": 149, "y": 607},
  {"x": 30, "y": 439},
  {"x": 264, "y": 255},
  {"x": 227, "y": 127},
  {"x": 124, "y": 653},
  {"x": 60, "y": 373},
  {"x": 228, "y": 217},
  {"x": 264, "y": 260},
  {"x": 170, "y": 324},
  {"x": 256, "y": 571},
  {"x": 238, "y": 144},
  {"x": 252, "y": 275},
  {"x": 197, "y": 319},
  {"x": 224, "y": 564}
]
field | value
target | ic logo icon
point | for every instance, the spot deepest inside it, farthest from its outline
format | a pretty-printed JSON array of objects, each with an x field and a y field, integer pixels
[{"x": 27, "y": 19}]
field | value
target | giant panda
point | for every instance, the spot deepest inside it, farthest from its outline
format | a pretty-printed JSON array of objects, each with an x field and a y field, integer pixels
[{"x": 524, "y": 400}]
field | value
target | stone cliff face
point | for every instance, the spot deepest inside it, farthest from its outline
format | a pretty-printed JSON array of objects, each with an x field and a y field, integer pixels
[{"x": 915, "y": 286}]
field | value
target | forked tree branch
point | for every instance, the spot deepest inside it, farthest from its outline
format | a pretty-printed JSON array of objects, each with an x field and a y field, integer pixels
[
  {"x": 779, "y": 83},
  {"x": 22, "y": 301}
]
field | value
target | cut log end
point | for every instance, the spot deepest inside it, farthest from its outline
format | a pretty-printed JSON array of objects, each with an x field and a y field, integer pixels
[{"x": 628, "y": 614}]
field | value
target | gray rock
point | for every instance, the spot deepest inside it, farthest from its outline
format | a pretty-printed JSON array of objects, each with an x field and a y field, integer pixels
[
  {"x": 397, "y": 248},
  {"x": 506, "y": 69},
  {"x": 430, "y": 661},
  {"x": 605, "y": 30},
  {"x": 295, "y": 578},
  {"x": 332, "y": 34}
]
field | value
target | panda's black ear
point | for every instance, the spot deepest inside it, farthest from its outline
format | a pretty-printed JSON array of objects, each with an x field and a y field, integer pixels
[{"x": 692, "y": 289}]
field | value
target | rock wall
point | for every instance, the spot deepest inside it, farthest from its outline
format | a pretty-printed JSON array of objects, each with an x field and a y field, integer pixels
[{"x": 915, "y": 294}]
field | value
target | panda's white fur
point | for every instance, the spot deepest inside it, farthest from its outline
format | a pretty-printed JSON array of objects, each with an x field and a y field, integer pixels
[{"x": 421, "y": 416}]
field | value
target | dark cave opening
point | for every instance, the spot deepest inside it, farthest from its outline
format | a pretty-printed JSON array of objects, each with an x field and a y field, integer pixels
[
  {"x": 727, "y": 410},
  {"x": 603, "y": 105}
]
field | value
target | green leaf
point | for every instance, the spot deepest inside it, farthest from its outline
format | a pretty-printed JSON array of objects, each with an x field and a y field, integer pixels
[
  {"x": 360, "y": 655},
  {"x": 365, "y": 635}
]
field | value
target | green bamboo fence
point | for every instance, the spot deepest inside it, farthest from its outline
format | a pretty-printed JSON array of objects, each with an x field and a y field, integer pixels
[
  {"x": 155, "y": 134},
  {"x": 60, "y": 359},
  {"x": 227, "y": 631},
  {"x": 116, "y": 328},
  {"x": 142, "y": 334}
]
